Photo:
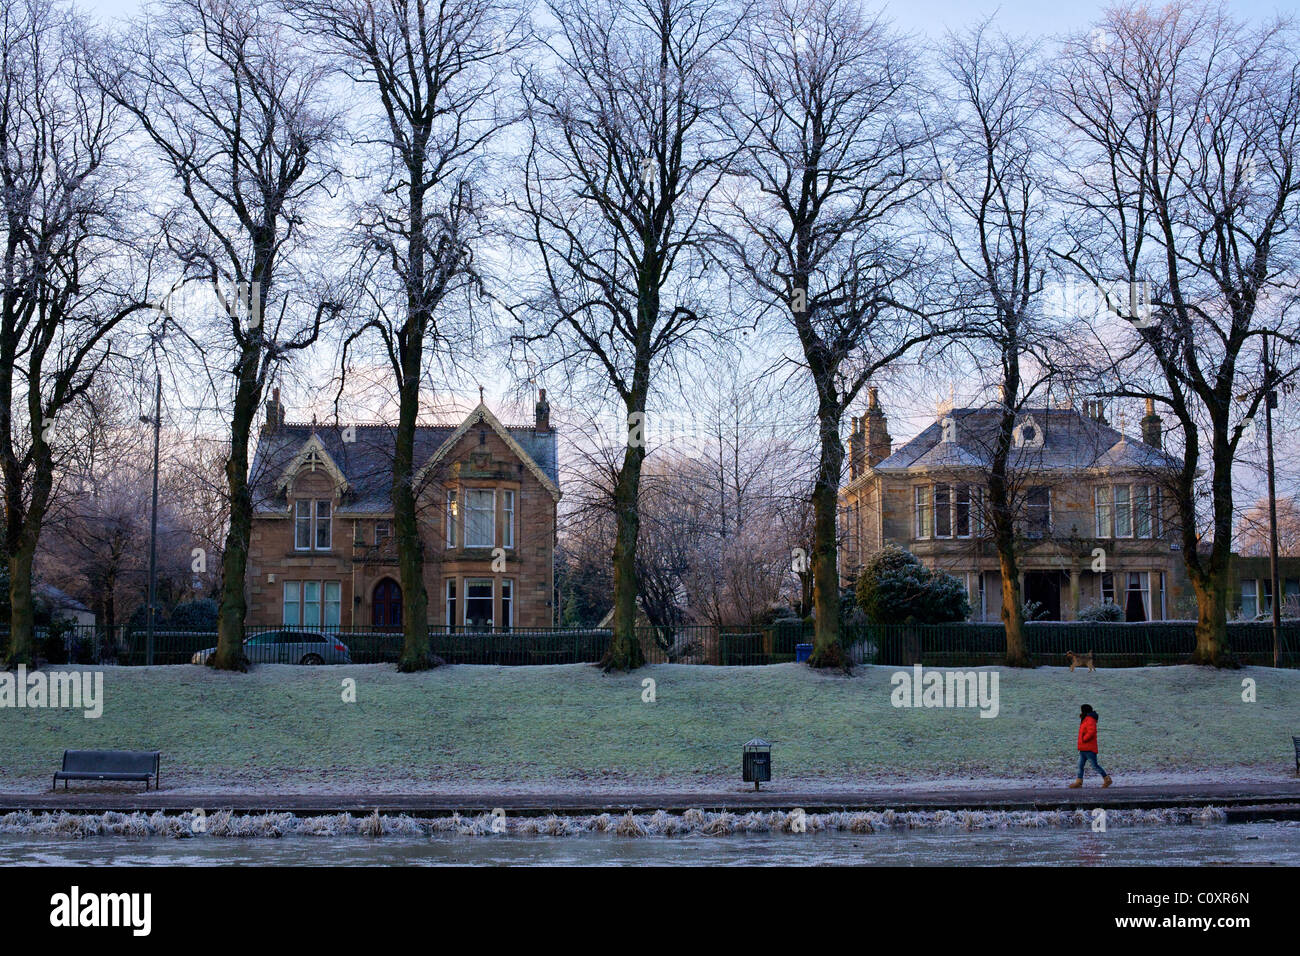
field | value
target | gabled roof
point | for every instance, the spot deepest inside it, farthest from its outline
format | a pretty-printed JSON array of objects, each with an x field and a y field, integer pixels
[
  {"x": 363, "y": 456},
  {"x": 481, "y": 414},
  {"x": 1071, "y": 441},
  {"x": 313, "y": 451}
]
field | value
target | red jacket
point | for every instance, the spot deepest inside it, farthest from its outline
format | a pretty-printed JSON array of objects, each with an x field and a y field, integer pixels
[{"x": 1088, "y": 733}]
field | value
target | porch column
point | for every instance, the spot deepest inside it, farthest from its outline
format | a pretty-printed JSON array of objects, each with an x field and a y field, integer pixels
[{"x": 1074, "y": 594}]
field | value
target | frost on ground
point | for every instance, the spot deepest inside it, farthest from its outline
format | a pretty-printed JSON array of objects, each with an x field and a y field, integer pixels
[
  {"x": 707, "y": 823},
  {"x": 568, "y": 729}
]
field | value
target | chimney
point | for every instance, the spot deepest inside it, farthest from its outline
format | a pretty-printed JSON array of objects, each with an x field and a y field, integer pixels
[
  {"x": 1151, "y": 425},
  {"x": 857, "y": 448},
  {"x": 876, "y": 430},
  {"x": 274, "y": 413},
  {"x": 542, "y": 422}
]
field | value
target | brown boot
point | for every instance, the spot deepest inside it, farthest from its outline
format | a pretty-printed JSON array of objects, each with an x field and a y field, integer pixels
[
  {"x": 1076, "y": 785},
  {"x": 1105, "y": 782}
]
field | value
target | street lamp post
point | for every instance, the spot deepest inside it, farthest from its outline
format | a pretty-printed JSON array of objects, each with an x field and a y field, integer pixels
[
  {"x": 153, "y": 525},
  {"x": 1270, "y": 402}
]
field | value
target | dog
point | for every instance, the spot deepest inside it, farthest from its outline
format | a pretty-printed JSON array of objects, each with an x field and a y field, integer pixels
[{"x": 1078, "y": 660}]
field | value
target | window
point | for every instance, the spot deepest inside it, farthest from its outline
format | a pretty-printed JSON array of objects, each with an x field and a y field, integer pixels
[
  {"x": 333, "y": 603},
  {"x": 313, "y": 603},
  {"x": 453, "y": 510},
  {"x": 383, "y": 531},
  {"x": 942, "y": 511},
  {"x": 1142, "y": 511},
  {"x": 478, "y": 603},
  {"x": 1101, "y": 506},
  {"x": 1266, "y": 596},
  {"x": 1038, "y": 512},
  {"x": 963, "y": 503},
  {"x": 311, "y": 525},
  {"x": 1123, "y": 513},
  {"x": 507, "y": 603},
  {"x": 292, "y": 603},
  {"x": 1249, "y": 598},
  {"x": 508, "y": 519},
  {"x": 323, "y": 526},
  {"x": 302, "y": 525},
  {"x": 922, "y": 501},
  {"x": 1107, "y": 588},
  {"x": 451, "y": 602},
  {"x": 480, "y": 518},
  {"x": 1137, "y": 602}
]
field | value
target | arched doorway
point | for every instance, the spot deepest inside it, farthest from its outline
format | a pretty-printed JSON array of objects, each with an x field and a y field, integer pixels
[{"x": 386, "y": 604}]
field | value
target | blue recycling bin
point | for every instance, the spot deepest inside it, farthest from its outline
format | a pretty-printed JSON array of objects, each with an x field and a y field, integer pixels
[{"x": 802, "y": 652}]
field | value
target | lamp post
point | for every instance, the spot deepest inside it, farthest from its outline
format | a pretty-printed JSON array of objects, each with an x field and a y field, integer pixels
[
  {"x": 156, "y": 421},
  {"x": 1270, "y": 402}
]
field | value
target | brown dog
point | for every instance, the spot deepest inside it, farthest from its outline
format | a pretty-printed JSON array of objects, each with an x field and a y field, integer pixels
[{"x": 1078, "y": 660}]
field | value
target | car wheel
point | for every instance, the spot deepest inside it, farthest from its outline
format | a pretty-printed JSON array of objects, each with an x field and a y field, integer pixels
[{"x": 312, "y": 659}]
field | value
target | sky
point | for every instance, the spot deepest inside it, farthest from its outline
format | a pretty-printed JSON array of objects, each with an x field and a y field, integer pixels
[
  {"x": 934, "y": 16},
  {"x": 913, "y": 408}
]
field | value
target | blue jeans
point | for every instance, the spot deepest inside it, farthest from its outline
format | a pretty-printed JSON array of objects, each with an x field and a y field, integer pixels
[{"x": 1086, "y": 757}]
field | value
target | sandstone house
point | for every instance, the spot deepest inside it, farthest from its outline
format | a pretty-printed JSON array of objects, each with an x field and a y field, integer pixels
[
  {"x": 322, "y": 552},
  {"x": 1080, "y": 485}
]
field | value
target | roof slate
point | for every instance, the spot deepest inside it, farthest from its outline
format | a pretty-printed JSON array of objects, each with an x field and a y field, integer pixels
[
  {"x": 367, "y": 461},
  {"x": 1072, "y": 441}
]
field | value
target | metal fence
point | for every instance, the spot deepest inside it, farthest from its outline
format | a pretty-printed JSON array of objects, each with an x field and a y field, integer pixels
[{"x": 938, "y": 645}]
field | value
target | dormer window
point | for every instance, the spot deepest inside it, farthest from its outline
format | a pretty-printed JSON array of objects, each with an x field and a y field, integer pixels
[
  {"x": 1028, "y": 434},
  {"x": 312, "y": 528}
]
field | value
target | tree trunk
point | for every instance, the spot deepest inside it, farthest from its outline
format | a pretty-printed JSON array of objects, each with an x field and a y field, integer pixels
[
  {"x": 1211, "y": 620},
  {"x": 624, "y": 652},
  {"x": 229, "y": 655},
  {"x": 22, "y": 614},
  {"x": 406, "y": 529},
  {"x": 1013, "y": 611},
  {"x": 827, "y": 650}
]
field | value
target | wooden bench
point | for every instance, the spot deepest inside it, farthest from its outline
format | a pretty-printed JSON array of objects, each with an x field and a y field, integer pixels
[{"x": 109, "y": 765}]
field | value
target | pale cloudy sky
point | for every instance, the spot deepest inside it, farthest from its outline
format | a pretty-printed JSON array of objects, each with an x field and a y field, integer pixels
[{"x": 934, "y": 16}]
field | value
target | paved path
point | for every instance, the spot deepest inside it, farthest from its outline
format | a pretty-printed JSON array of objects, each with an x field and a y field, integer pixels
[{"x": 1284, "y": 797}]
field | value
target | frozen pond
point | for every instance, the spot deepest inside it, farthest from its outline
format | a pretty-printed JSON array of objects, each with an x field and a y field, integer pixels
[{"x": 1265, "y": 843}]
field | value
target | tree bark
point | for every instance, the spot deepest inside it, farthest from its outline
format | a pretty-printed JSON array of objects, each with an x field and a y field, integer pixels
[
  {"x": 22, "y": 614},
  {"x": 624, "y": 652},
  {"x": 229, "y": 655},
  {"x": 827, "y": 650},
  {"x": 410, "y": 549}
]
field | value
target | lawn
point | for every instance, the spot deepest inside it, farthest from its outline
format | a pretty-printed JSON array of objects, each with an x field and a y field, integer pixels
[{"x": 288, "y": 728}]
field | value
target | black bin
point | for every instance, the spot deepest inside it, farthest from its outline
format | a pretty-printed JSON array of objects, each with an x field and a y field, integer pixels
[{"x": 756, "y": 763}]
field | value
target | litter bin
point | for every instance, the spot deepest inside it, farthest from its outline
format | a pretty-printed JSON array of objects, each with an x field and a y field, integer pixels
[
  {"x": 756, "y": 763},
  {"x": 802, "y": 652}
]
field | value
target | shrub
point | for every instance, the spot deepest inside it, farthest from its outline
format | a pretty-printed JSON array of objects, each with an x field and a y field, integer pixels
[
  {"x": 1106, "y": 612},
  {"x": 894, "y": 587}
]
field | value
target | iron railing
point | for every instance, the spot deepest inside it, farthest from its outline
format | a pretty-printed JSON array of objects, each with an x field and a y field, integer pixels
[{"x": 965, "y": 644}]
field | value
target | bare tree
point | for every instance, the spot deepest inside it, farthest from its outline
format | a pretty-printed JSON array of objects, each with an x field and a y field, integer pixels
[
  {"x": 238, "y": 114},
  {"x": 1253, "y": 528},
  {"x": 625, "y": 153},
  {"x": 1183, "y": 174},
  {"x": 991, "y": 210},
  {"x": 829, "y": 115},
  {"x": 66, "y": 288},
  {"x": 432, "y": 67}
]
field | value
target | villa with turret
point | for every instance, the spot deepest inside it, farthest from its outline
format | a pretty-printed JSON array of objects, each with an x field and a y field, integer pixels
[{"x": 1094, "y": 520}]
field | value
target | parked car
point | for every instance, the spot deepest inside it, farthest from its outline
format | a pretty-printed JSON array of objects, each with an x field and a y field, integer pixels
[{"x": 288, "y": 647}]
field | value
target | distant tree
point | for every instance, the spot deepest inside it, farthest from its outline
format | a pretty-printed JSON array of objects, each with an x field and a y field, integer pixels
[
  {"x": 1253, "y": 528},
  {"x": 65, "y": 209}
]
